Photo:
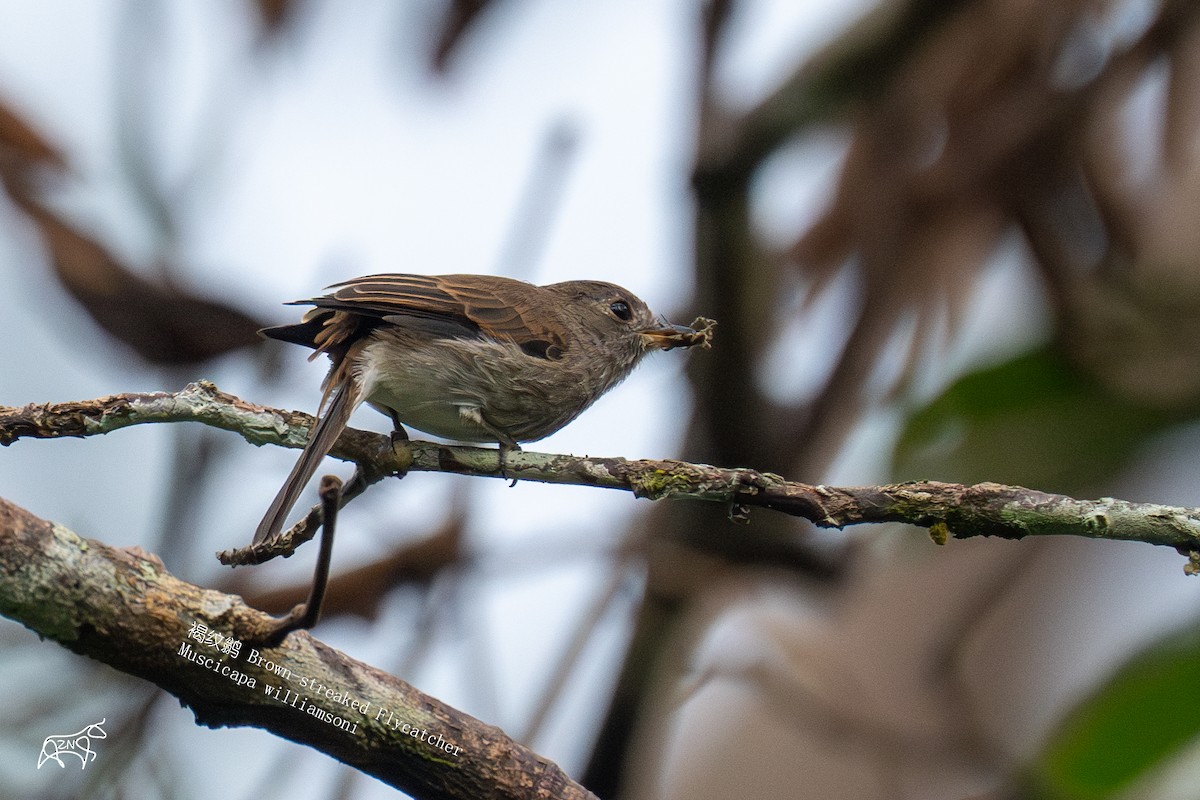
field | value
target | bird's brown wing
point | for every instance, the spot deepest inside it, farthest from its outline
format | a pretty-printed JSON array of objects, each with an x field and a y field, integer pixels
[{"x": 467, "y": 306}]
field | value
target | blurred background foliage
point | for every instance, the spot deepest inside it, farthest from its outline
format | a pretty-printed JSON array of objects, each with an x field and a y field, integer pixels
[{"x": 996, "y": 279}]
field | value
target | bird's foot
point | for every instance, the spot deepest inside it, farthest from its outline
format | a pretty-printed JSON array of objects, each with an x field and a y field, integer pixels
[{"x": 506, "y": 448}]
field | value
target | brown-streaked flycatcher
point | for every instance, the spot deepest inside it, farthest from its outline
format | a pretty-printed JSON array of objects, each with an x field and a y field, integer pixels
[{"x": 472, "y": 358}]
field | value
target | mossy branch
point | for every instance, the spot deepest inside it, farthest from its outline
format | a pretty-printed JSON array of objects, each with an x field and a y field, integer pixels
[
  {"x": 120, "y": 606},
  {"x": 947, "y": 509}
]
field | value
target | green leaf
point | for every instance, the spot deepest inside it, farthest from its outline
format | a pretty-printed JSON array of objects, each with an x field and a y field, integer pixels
[
  {"x": 1147, "y": 712},
  {"x": 1033, "y": 421}
]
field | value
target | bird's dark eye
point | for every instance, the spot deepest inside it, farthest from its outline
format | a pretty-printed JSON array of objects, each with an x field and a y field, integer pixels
[{"x": 621, "y": 310}]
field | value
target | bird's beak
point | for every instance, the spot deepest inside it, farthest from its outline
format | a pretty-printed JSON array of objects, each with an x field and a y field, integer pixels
[{"x": 668, "y": 337}]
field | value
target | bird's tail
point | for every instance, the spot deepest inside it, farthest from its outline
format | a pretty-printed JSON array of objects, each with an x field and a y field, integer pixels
[{"x": 340, "y": 403}]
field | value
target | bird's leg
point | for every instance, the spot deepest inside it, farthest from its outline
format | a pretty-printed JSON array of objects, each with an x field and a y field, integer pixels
[
  {"x": 305, "y": 614},
  {"x": 398, "y": 432},
  {"x": 507, "y": 443},
  {"x": 507, "y": 446}
]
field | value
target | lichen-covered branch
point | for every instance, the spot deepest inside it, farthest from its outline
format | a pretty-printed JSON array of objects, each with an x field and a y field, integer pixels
[
  {"x": 121, "y": 607},
  {"x": 949, "y": 510}
]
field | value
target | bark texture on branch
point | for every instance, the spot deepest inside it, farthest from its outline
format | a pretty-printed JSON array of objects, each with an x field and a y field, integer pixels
[
  {"x": 947, "y": 509},
  {"x": 120, "y": 606}
]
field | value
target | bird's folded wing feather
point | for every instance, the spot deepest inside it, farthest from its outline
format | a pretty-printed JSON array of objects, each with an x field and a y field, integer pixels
[{"x": 458, "y": 305}]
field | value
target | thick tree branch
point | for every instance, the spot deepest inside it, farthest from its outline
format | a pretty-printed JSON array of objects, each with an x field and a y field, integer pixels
[
  {"x": 120, "y": 606},
  {"x": 985, "y": 509}
]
